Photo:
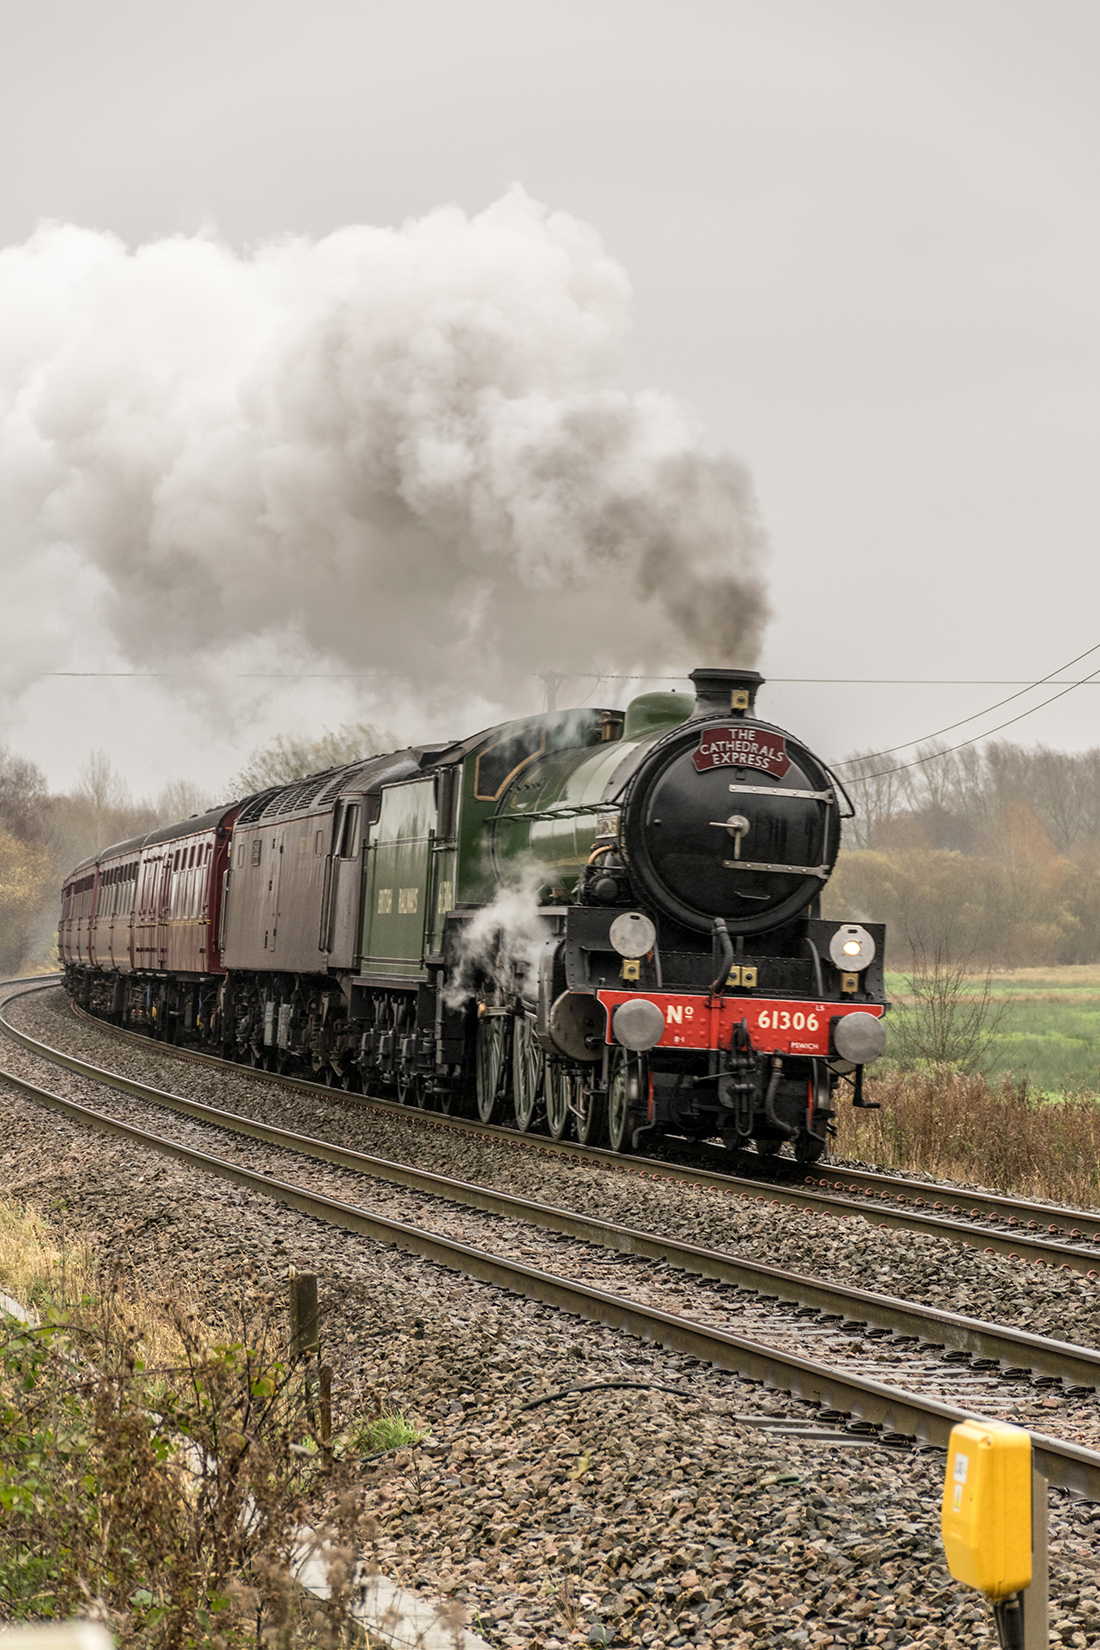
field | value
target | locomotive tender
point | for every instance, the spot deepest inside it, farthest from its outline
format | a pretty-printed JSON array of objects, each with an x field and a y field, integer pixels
[{"x": 594, "y": 920}]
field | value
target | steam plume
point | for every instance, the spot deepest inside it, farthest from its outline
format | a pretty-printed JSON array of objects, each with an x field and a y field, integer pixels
[{"x": 393, "y": 450}]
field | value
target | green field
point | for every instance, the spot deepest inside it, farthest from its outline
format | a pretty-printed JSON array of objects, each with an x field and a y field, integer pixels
[{"x": 1050, "y": 1031}]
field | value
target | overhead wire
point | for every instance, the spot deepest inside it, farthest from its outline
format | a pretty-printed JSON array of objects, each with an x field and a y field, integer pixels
[
  {"x": 934, "y": 756},
  {"x": 988, "y": 711}
]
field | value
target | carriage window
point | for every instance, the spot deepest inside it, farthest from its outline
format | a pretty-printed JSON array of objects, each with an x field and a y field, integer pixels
[
  {"x": 500, "y": 763},
  {"x": 319, "y": 842},
  {"x": 257, "y": 850}
]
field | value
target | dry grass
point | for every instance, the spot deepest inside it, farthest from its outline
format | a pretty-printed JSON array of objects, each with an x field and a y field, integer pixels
[
  {"x": 35, "y": 1267},
  {"x": 46, "y": 1271},
  {"x": 997, "y": 1133}
]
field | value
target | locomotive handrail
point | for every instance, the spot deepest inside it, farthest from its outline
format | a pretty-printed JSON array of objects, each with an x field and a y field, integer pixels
[
  {"x": 776, "y": 791},
  {"x": 840, "y": 787},
  {"x": 573, "y": 811},
  {"x": 822, "y": 871}
]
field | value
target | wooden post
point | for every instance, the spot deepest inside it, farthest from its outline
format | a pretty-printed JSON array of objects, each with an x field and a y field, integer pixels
[
  {"x": 305, "y": 1322},
  {"x": 324, "y": 1376}
]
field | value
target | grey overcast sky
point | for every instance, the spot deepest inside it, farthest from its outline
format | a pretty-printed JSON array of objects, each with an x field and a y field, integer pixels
[{"x": 862, "y": 237}]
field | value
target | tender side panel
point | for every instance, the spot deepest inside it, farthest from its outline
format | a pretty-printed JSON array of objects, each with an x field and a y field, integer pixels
[
  {"x": 284, "y": 880},
  {"x": 343, "y": 880},
  {"x": 399, "y": 918}
]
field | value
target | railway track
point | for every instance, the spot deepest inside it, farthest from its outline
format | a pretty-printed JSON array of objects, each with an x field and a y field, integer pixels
[
  {"x": 1023, "y": 1230},
  {"x": 1022, "y": 1216},
  {"x": 953, "y": 1358}
]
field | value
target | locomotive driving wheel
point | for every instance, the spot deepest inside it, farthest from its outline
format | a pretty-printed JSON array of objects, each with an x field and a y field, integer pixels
[
  {"x": 492, "y": 1048},
  {"x": 590, "y": 1117},
  {"x": 527, "y": 1066},
  {"x": 624, "y": 1099},
  {"x": 559, "y": 1088}
]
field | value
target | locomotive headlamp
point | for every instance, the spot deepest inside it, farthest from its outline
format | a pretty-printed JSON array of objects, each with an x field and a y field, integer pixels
[
  {"x": 633, "y": 934},
  {"x": 851, "y": 948}
]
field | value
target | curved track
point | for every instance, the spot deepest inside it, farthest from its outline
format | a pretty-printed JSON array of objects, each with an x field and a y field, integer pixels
[
  {"x": 902, "y": 1412},
  {"x": 1035, "y": 1232}
]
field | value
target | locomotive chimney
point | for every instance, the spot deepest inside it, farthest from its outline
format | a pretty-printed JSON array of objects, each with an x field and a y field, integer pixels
[{"x": 725, "y": 692}]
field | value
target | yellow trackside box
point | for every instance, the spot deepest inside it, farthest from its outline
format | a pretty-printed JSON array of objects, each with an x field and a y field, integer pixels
[{"x": 987, "y": 1507}]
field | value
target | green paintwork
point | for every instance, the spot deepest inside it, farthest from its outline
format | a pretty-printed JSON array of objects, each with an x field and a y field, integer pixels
[
  {"x": 573, "y": 733},
  {"x": 397, "y": 918},
  {"x": 652, "y": 713},
  {"x": 558, "y": 838},
  {"x": 531, "y": 795},
  {"x": 551, "y": 814}
]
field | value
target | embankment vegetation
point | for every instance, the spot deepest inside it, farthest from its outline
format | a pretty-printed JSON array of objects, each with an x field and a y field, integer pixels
[
  {"x": 996, "y": 1132},
  {"x": 156, "y": 1470}
]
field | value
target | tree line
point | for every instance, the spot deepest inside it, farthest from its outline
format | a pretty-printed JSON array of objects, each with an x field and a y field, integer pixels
[
  {"x": 43, "y": 835},
  {"x": 990, "y": 853}
]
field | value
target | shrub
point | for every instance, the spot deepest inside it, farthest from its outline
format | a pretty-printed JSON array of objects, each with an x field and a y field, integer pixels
[
  {"x": 1001, "y": 1134},
  {"x": 165, "y": 1499}
]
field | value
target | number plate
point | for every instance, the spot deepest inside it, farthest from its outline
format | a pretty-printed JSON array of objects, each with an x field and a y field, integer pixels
[{"x": 776, "y": 1025}]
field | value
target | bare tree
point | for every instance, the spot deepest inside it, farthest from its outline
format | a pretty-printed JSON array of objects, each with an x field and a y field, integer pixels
[
  {"x": 180, "y": 799},
  {"x": 970, "y": 786},
  {"x": 932, "y": 784},
  {"x": 23, "y": 796},
  {"x": 286, "y": 758},
  {"x": 953, "y": 1017},
  {"x": 99, "y": 785},
  {"x": 878, "y": 794}
]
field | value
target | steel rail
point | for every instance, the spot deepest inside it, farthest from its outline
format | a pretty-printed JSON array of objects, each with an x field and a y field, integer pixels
[
  {"x": 1052, "y": 1218},
  {"x": 1017, "y": 1245},
  {"x": 1015, "y": 1348},
  {"x": 1067, "y": 1465}
]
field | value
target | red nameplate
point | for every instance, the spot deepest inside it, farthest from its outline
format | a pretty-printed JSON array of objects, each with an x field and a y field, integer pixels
[{"x": 742, "y": 747}]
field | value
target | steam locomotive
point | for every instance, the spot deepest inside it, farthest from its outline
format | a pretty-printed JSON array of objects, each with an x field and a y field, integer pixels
[{"x": 595, "y": 921}]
